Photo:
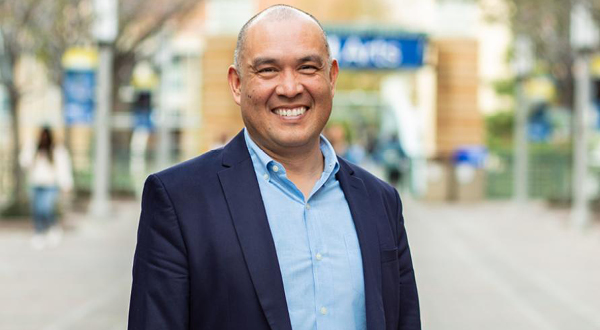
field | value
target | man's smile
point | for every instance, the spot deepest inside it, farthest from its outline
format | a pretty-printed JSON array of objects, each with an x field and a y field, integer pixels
[{"x": 290, "y": 112}]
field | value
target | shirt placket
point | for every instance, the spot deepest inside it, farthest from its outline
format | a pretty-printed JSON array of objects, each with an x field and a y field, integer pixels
[{"x": 320, "y": 261}]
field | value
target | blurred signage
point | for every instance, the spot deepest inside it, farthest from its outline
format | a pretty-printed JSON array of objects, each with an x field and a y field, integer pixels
[
  {"x": 79, "y": 90},
  {"x": 539, "y": 124},
  {"x": 377, "y": 52},
  {"x": 79, "y": 85},
  {"x": 142, "y": 110},
  {"x": 595, "y": 66},
  {"x": 540, "y": 88}
]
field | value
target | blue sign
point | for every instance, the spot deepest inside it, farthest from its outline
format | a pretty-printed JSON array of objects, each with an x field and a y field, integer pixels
[
  {"x": 79, "y": 88},
  {"x": 471, "y": 155},
  {"x": 142, "y": 111},
  {"x": 539, "y": 125},
  {"x": 377, "y": 52}
]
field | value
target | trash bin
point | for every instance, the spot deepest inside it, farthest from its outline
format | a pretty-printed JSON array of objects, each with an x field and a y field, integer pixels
[{"x": 468, "y": 179}]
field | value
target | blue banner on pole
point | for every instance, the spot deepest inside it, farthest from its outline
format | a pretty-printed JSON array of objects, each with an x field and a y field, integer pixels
[
  {"x": 142, "y": 111},
  {"x": 377, "y": 52},
  {"x": 79, "y": 94}
]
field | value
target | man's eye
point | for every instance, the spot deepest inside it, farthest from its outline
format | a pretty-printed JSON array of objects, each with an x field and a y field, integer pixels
[
  {"x": 267, "y": 70},
  {"x": 308, "y": 68}
]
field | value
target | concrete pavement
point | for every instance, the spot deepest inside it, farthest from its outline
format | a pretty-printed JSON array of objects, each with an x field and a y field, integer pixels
[
  {"x": 83, "y": 283},
  {"x": 501, "y": 266},
  {"x": 487, "y": 266}
]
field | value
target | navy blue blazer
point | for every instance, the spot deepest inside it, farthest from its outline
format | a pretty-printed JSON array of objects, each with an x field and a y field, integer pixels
[{"x": 205, "y": 257}]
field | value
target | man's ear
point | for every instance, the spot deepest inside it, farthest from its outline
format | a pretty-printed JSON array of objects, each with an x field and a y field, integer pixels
[
  {"x": 233, "y": 77},
  {"x": 333, "y": 74}
]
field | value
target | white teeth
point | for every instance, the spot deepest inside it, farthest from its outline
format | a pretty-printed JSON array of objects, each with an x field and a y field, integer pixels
[{"x": 291, "y": 112}]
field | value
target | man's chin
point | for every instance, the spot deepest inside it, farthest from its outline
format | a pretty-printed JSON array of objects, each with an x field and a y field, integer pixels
[{"x": 294, "y": 142}]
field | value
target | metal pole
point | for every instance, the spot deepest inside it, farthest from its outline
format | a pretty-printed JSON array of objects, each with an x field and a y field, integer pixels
[
  {"x": 164, "y": 138},
  {"x": 580, "y": 208},
  {"x": 521, "y": 177},
  {"x": 100, "y": 204},
  {"x": 164, "y": 127}
]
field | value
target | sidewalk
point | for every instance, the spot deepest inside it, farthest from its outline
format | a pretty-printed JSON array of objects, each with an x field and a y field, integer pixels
[
  {"x": 492, "y": 266},
  {"x": 497, "y": 265},
  {"x": 83, "y": 283}
]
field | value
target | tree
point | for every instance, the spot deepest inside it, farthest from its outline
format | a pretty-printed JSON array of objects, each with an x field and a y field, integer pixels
[
  {"x": 139, "y": 22},
  {"x": 43, "y": 28},
  {"x": 547, "y": 24},
  {"x": 46, "y": 28}
]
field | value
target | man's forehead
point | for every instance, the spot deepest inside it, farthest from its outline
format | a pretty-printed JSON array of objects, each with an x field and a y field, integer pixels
[
  {"x": 301, "y": 23},
  {"x": 265, "y": 35},
  {"x": 284, "y": 14}
]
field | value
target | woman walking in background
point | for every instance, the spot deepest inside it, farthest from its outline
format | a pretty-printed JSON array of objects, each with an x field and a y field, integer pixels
[{"x": 49, "y": 172}]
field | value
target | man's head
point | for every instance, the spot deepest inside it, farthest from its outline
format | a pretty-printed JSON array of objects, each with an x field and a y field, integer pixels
[
  {"x": 283, "y": 78},
  {"x": 279, "y": 13}
]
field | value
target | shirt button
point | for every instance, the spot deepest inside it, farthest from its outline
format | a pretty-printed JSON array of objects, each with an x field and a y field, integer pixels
[
  {"x": 275, "y": 168},
  {"x": 307, "y": 206},
  {"x": 319, "y": 256},
  {"x": 266, "y": 176},
  {"x": 323, "y": 310}
]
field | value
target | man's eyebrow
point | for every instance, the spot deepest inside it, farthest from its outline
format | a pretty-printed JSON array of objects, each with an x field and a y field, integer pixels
[
  {"x": 312, "y": 58},
  {"x": 262, "y": 61},
  {"x": 269, "y": 60}
]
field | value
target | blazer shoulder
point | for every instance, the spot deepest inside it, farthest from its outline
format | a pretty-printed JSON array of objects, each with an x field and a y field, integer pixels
[{"x": 182, "y": 174}]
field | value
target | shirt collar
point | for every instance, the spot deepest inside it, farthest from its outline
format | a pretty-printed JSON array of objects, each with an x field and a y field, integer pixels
[{"x": 260, "y": 158}]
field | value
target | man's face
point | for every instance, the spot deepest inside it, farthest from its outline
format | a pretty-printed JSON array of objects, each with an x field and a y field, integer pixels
[{"x": 285, "y": 88}]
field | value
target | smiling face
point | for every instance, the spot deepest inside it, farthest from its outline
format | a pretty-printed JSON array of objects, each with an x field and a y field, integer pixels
[{"x": 285, "y": 88}]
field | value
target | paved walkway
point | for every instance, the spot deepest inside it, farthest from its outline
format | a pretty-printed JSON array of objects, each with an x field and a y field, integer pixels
[
  {"x": 499, "y": 266},
  {"x": 83, "y": 283},
  {"x": 480, "y": 266}
]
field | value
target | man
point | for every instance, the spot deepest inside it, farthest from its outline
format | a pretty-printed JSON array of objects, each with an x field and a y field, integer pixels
[{"x": 273, "y": 231}]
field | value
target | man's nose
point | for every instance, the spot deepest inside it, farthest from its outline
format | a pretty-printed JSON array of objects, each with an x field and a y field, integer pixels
[{"x": 289, "y": 85}]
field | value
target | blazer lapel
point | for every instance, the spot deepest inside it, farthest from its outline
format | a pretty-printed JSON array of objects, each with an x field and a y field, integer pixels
[
  {"x": 366, "y": 230},
  {"x": 252, "y": 227}
]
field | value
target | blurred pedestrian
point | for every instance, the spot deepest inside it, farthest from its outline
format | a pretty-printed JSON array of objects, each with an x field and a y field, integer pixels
[
  {"x": 49, "y": 172},
  {"x": 394, "y": 160},
  {"x": 338, "y": 136}
]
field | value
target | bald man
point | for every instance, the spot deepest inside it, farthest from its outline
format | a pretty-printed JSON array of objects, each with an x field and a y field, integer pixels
[{"x": 273, "y": 231}]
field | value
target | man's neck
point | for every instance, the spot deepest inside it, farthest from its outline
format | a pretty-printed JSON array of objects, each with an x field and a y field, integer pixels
[{"x": 303, "y": 165}]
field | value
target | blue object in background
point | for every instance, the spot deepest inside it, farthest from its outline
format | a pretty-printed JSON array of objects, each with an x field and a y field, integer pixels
[
  {"x": 4, "y": 104},
  {"x": 374, "y": 51},
  {"x": 597, "y": 109},
  {"x": 539, "y": 125},
  {"x": 142, "y": 111},
  {"x": 79, "y": 88},
  {"x": 471, "y": 155}
]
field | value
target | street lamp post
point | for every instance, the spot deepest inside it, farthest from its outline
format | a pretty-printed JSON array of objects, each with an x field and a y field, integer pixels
[
  {"x": 163, "y": 59},
  {"x": 522, "y": 64},
  {"x": 584, "y": 37},
  {"x": 105, "y": 32}
]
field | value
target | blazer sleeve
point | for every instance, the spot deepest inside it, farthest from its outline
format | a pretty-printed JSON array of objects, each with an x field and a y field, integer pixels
[
  {"x": 410, "y": 318},
  {"x": 160, "y": 289}
]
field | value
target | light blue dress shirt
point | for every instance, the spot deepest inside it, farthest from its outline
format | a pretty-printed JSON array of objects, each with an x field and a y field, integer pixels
[{"x": 317, "y": 247}]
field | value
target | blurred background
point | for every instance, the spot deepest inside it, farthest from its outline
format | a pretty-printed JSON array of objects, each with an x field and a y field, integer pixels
[{"x": 485, "y": 114}]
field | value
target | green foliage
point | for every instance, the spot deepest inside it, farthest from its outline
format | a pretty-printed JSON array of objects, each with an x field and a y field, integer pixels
[
  {"x": 16, "y": 211},
  {"x": 504, "y": 87},
  {"x": 499, "y": 130}
]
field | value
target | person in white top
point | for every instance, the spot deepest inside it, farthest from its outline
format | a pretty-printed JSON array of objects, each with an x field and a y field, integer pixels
[{"x": 49, "y": 171}]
